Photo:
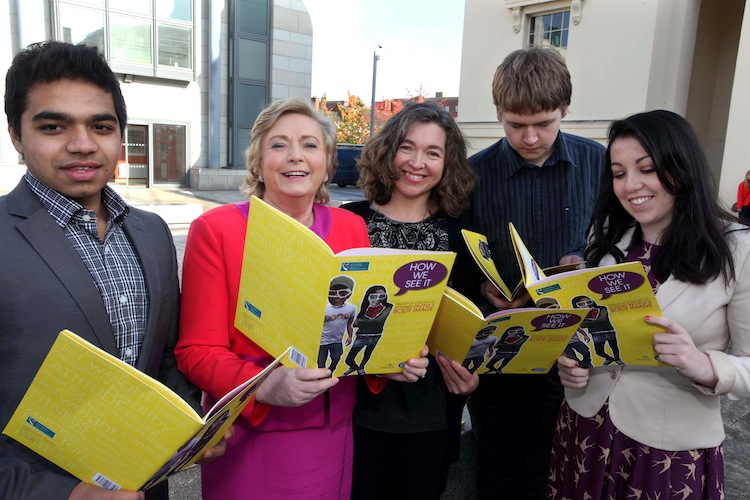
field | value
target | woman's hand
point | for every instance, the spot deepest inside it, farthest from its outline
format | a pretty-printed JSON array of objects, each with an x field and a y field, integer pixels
[
  {"x": 294, "y": 386},
  {"x": 676, "y": 347},
  {"x": 413, "y": 369},
  {"x": 572, "y": 376},
  {"x": 457, "y": 379}
]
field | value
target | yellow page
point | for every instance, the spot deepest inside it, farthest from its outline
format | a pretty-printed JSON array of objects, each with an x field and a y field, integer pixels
[
  {"x": 517, "y": 341},
  {"x": 99, "y": 418},
  {"x": 284, "y": 296},
  {"x": 618, "y": 298},
  {"x": 479, "y": 249},
  {"x": 530, "y": 271},
  {"x": 217, "y": 422}
]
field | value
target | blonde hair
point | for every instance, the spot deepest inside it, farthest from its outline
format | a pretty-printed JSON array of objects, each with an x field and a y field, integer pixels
[{"x": 253, "y": 185}]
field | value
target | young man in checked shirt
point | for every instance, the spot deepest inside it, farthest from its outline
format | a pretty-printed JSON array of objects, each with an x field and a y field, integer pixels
[
  {"x": 73, "y": 254},
  {"x": 545, "y": 182}
]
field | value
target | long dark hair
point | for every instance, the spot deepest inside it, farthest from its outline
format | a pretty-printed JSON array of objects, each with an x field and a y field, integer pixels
[{"x": 694, "y": 247}]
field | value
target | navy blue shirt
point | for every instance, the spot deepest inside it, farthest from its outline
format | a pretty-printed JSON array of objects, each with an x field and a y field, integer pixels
[{"x": 550, "y": 206}]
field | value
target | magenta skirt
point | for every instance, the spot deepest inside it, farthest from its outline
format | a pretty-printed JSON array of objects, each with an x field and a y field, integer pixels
[
  {"x": 592, "y": 459},
  {"x": 276, "y": 465}
]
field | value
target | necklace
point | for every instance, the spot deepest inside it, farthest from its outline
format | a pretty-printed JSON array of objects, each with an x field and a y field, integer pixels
[{"x": 405, "y": 235}]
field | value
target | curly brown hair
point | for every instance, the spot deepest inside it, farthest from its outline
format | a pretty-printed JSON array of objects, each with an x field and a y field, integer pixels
[{"x": 377, "y": 174}]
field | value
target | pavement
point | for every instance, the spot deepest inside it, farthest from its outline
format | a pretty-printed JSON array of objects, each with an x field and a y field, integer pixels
[{"x": 179, "y": 207}]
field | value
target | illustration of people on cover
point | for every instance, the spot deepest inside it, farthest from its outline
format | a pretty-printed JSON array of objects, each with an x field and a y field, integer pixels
[
  {"x": 337, "y": 325},
  {"x": 369, "y": 323},
  {"x": 507, "y": 347},
  {"x": 578, "y": 347},
  {"x": 481, "y": 345},
  {"x": 599, "y": 327}
]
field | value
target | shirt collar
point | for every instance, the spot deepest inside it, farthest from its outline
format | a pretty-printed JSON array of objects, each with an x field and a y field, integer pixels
[
  {"x": 560, "y": 154},
  {"x": 63, "y": 209}
]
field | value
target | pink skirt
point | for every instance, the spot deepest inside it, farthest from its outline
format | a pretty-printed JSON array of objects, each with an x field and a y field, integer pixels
[{"x": 307, "y": 463}]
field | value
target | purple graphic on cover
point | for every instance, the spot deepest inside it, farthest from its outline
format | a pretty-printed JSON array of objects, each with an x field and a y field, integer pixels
[
  {"x": 608, "y": 284},
  {"x": 419, "y": 275},
  {"x": 554, "y": 321}
]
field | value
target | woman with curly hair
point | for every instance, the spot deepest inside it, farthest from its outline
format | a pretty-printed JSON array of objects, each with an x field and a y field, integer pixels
[{"x": 417, "y": 182}]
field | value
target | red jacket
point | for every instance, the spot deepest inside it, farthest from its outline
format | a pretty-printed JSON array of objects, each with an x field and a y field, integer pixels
[{"x": 211, "y": 352}]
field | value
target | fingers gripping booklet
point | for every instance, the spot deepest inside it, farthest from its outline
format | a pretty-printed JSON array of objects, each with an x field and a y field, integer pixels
[
  {"x": 361, "y": 311},
  {"x": 109, "y": 424},
  {"x": 616, "y": 298}
]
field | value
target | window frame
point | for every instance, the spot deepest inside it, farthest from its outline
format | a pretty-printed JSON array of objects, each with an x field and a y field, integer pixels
[{"x": 154, "y": 69}]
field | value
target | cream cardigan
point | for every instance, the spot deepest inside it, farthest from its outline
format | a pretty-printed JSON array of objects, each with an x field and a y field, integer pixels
[{"x": 655, "y": 405}]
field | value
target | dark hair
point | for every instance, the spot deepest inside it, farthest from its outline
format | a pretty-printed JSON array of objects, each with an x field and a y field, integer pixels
[
  {"x": 531, "y": 81},
  {"x": 378, "y": 174},
  {"x": 694, "y": 247},
  {"x": 51, "y": 61}
]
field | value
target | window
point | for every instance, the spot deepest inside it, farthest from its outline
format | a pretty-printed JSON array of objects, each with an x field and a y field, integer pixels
[
  {"x": 140, "y": 37},
  {"x": 550, "y": 30},
  {"x": 249, "y": 71}
]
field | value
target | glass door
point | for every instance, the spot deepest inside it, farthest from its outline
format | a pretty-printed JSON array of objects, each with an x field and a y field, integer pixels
[
  {"x": 132, "y": 167},
  {"x": 170, "y": 153}
]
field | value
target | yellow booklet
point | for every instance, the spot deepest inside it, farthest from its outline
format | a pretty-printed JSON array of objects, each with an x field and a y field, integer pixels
[
  {"x": 109, "y": 424},
  {"x": 479, "y": 248},
  {"x": 522, "y": 341},
  {"x": 617, "y": 297},
  {"x": 364, "y": 310}
]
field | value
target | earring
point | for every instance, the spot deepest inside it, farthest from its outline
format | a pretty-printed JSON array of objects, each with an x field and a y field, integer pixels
[
  {"x": 260, "y": 177},
  {"x": 325, "y": 179}
]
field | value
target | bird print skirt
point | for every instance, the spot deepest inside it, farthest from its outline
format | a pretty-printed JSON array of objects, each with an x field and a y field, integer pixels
[{"x": 591, "y": 459}]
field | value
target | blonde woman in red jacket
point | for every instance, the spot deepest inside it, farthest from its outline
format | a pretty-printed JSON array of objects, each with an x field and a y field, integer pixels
[{"x": 295, "y": 439}]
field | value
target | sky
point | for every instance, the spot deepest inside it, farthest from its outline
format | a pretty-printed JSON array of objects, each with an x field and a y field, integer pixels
[{"x": 420, "y": 46}]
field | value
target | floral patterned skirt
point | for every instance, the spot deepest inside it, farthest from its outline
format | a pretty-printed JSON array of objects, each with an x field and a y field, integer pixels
[{"x": 591, "y": 459}]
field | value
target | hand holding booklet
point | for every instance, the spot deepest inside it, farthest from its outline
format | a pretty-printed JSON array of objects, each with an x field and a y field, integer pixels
[
  {"x": 518, "y": 341},
  {"x": 361, "y": 311},
  {"x": 616, "y": 299},
  {"x": 109, "y": 424},
  {"x": 479, "y": 248}
]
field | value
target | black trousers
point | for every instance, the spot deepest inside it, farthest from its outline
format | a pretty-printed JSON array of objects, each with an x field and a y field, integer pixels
[
  {"x": 412, "y": 465},
  {"x": 513, "y": 418}
]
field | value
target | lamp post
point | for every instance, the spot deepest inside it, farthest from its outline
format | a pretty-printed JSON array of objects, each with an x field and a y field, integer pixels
[{"x": 375, "y": 58}]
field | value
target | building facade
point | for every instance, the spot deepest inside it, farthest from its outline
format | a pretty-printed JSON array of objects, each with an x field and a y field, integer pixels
[
  {"x": 194, "y": 73},
  {"x": 688, "y": 56}
]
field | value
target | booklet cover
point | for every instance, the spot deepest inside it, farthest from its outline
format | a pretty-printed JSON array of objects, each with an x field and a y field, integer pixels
[
  {"x": 618, "y": 297},
  {"x": 520, "y": 341},
  {"x": 479, "y": 248},
  {"x": 111, "y": 425},
  {"x": 361, "y": 311}
]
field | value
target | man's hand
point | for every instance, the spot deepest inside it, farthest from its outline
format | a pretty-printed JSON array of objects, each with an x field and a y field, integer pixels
[
  {"x": 83, "y": 491},
  {"x": 570, "y": 259},
  {"x": 496, "y": 298},
  {"x": 219, "y": 449}
]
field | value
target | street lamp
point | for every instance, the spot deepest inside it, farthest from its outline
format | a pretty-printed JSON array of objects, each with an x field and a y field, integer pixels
[{"x": 375, "y": 58}]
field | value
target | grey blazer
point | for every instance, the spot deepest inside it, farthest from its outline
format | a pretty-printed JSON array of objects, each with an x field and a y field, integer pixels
[
  {"x": 44, "y": 288},
  {"x": 655, "y": 405}
]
